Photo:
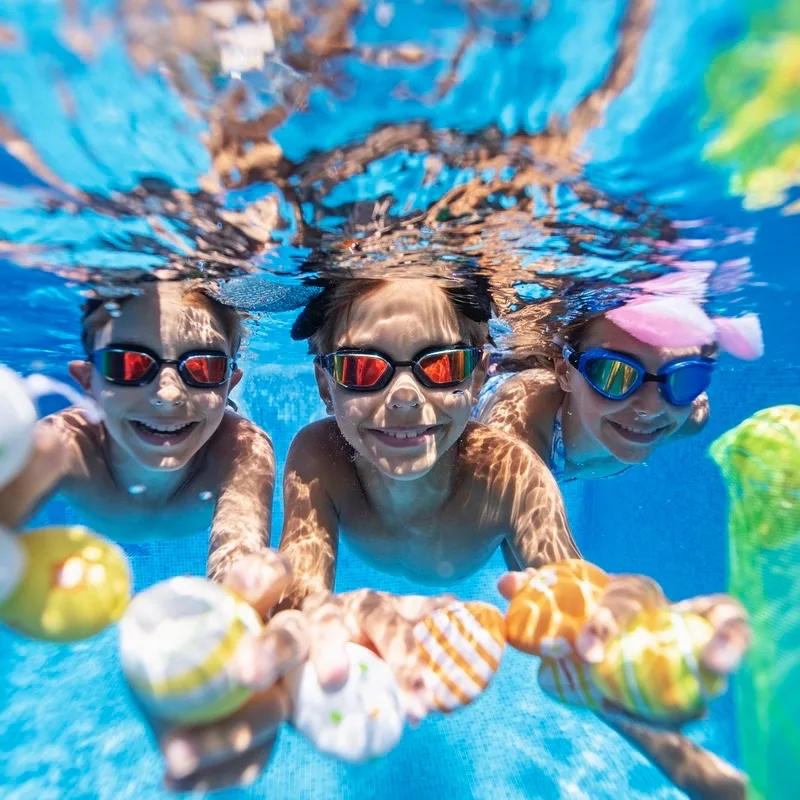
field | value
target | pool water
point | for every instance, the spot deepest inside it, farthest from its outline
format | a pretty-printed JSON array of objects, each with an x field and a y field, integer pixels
[{"x": 66, "y": 727}]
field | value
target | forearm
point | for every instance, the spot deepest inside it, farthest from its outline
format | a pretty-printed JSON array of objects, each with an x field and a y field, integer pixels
[
  {"x": 232, "y": 539},
  {"x": 697, "y": 420},
  {"x": 698, "y": 772},
  {"x": 313, "y": 560}
]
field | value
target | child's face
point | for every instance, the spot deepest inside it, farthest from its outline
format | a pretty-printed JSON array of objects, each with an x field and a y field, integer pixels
[
  {"x": 404, "y": 428},
  {"x": 162, "y": 424},
  {"x": 630, "y": 429}
]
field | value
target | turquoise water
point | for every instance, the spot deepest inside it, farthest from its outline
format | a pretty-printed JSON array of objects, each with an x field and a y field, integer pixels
[{"x": 66, "y": 728}]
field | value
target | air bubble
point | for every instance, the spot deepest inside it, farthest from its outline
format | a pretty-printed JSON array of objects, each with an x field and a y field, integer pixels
[
  {"x": 113, "y": 308},
  {"x": 137, "y": 489},
  {"x": 206, "y": 495}
]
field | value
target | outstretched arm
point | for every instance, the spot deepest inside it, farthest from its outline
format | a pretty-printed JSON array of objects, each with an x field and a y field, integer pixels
[
  {"x": 243, "y": 513},
  {"x": 310, "y": 525}
]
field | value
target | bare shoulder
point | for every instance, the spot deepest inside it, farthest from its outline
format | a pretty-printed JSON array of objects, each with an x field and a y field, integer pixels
[
  {"x": 321, "y": 443},
  {"x": 237, "y": 435},
  {"x": 525, "y": 406},
  {"x": 499, "y": 458},
  {"x": 84, "y": 440}
]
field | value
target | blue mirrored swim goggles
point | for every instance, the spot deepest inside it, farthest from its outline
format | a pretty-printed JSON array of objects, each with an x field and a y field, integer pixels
[{"x": 616, "y": 376}]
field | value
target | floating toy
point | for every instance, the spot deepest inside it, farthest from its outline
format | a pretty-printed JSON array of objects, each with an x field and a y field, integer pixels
[
  {"x": 651, "y": 667},
  {"x": 461, "y": 647},
  {"x": 547, "y": 614},
  {"x": 17, "y": 422},
  {"x": 360, "y": 721},
  {"x": 61, "y": 583},
  {"x": 760, "y": 462},
  {"x": 754, "y": 106},
  {"x": 568, "y": 680},
  {"x": 176, "y": 641}
]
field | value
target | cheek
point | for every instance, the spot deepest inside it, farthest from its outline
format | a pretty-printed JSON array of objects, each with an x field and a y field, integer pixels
[{"x": 351, "y": 409}]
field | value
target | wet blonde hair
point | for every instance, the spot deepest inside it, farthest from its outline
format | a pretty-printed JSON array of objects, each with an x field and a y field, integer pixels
[{"x": 97, "y": 313}]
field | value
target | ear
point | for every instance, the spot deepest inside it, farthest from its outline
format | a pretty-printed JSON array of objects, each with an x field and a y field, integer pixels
[
  {"x": 81, "y": 373},
  {"x": 324, "y": 387},
  {"x": 563, "y": 371},
  {"x": 234, "y": 381}
]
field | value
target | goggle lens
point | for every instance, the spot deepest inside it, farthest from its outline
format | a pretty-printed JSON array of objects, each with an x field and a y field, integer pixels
[
  {"x": 206, "y": 370},
  {"x": 359, "y": 371},
  {"x": 448, "y": 367},
  {"x": 687, "y": 383},
  {"x": 124, "y": 366},
  {"x": 613, "y": 377}
]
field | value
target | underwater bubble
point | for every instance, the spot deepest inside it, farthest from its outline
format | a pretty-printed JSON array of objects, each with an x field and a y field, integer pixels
[
  {"x": 38, "y": 365},
  {"x": 206, "y": 495},
  {"x": 137, "y": 489},
  {"x": 113, "y": 308}
]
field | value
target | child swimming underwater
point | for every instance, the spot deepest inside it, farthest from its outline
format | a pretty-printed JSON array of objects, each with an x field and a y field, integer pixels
[
  {"x": 168, "y": 459},
  {"x": 605, "y": 402}
]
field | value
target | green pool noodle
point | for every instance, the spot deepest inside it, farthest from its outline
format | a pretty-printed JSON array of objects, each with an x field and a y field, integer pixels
[{"x": 760, "y": 462}]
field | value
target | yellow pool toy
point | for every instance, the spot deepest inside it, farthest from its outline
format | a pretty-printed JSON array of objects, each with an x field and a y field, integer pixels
[
  {"x": 652, "y": 669},
  {"x": 176, "y": 641},
  {"x": 61, "y": 583}
]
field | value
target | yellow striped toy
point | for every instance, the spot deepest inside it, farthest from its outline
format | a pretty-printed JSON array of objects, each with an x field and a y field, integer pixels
[
  {"x": 61, "y": 583},
  {"x": 176, "y": 641},
  {"x": 460, "y": 647},
  {"x": 569, "y": 681},
  {"x": 652, "y": 667},
  {"x": 545, "y": 616}
]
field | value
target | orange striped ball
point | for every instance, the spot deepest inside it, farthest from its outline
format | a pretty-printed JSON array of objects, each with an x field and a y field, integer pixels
[
  {"x": 545, "y": 617},
  {"x": 460, "y": 647}
]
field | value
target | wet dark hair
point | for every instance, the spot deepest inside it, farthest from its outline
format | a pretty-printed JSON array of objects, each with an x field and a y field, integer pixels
[{"x": 471, "y": 297}]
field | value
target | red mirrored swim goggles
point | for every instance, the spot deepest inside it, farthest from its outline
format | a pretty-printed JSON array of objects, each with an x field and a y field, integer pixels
[
  {"x": 371, "y": 370},
  {"x": 131, "y": 365}
]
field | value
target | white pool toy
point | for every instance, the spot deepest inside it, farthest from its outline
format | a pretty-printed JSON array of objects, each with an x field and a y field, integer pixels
[
  {"x": 176, "y": 641},
  {"x": 17, "y": 424},
  {"x": 362, "y": 720},
  {"x": 18, "y": 416}
]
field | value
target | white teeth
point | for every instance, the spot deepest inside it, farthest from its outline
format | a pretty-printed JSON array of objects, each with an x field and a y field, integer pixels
[
  {"x": 407, "y": 434},
  {"x": 636, "y": 430},
  {"x": 164, "y": 428}
]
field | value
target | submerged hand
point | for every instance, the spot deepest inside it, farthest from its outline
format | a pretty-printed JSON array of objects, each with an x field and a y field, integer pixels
[{"x": 234, "y": 750}]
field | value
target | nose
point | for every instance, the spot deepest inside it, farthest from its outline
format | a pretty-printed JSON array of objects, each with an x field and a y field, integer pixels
[
  {"x": 647, "y": 401},
  {"x": 404, "y": 393},
  {"x": 170, "y": 391}
]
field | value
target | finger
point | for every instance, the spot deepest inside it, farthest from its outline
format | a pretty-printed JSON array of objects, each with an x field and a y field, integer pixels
[
  {"x": 392, "y": 636},
  {"x": 260, "y": 579},
  {"x": 624, "y": 597},
  {"x": 239, "y": 771},
  {"x": 329, "y": 637},
  {"x": 731, "y": 639},
  {"x": 510, "y": 583},
  {"x": 285, "y": 643},
  {"x": 415, "y": 607},
  {"x": 47, "y": 464},
  {"x": 189, "y": 750}
]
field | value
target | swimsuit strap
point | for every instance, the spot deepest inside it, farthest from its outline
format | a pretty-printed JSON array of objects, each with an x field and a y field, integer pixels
[{"x": 558, "y": 455}]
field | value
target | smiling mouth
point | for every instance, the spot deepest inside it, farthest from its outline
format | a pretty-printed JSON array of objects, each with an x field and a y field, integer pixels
[
  {"x": 405, "y": 437},
  {"x": 639, "y": 435},
  {"x": 163, "y": 434}
]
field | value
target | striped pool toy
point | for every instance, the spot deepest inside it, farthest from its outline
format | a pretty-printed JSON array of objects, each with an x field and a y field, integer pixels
[
  {"x": 460, "y": 647},
  {"x": 61, "y": 583},
  {"x": 176, "y": 640},
  {"x": 652, "y": 667},
  {"x": 569, "y": 681},
  {"x": 546, "y": 615}
]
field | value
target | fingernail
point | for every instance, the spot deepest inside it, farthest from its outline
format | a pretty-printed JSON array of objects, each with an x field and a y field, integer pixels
[
  {"x": 181, "y": 760},
  {"x": 591, "y": 648}
]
